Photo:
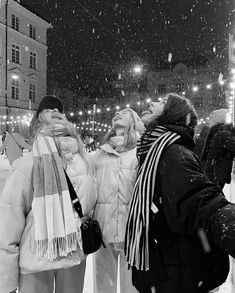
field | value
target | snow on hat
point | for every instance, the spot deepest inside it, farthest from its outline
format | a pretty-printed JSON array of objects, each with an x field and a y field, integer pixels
[
  {"x": 138, "y": 124},
  {"x": 219, "y": 116},
  {"x": 50, "y": 102}
]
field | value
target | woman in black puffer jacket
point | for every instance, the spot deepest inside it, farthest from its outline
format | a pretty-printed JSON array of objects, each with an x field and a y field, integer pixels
[
  {"x": 219, "y": 150},
  {"x": 180, "y": 228}
]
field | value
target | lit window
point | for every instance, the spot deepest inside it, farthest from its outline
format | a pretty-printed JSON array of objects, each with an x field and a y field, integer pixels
[{"x": 15, "y": 88}]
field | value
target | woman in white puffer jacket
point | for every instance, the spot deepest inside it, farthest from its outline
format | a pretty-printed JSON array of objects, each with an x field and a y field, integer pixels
[
  {"x": 115, "y": 167},
  {"x": 40, "y": 237}
]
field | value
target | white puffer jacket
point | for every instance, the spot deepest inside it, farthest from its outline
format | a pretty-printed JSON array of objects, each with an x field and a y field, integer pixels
[
  {"x": 115, "y": 176},
  {"x": 17, "y": 223}
]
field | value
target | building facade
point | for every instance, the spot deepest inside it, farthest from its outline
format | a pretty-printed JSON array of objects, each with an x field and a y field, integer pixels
[
  {"x": 23, "y": 62},
  {"x": 201, "y": 85}
]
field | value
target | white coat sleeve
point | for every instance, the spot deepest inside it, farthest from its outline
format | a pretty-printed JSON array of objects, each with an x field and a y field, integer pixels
[{"x": 15, "y": 204}]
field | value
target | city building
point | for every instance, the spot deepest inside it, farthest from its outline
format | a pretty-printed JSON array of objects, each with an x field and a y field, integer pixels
[
  {"x": 201, "y": 84},
  {"x": 23, "y": 62}
]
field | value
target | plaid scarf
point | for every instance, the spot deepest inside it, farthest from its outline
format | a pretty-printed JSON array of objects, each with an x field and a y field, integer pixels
[
  {"x": 152, "y": 143},
  {"x": 55, "y": 230}
]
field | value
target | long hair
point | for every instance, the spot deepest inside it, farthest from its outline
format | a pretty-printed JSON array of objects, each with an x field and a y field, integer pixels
[
  {"x": 177, "y": 111},
  {"x": 130, "y": 136},
  {"x": 38, "y": 122}
]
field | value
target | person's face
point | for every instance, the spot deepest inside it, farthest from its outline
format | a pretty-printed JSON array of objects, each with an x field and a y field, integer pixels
[
  {"x": 53, "y": 116},
  {"x": 68, "y": 144},
  {"x": 121, "y": 119},
  {"x": 154, "y": 110}
]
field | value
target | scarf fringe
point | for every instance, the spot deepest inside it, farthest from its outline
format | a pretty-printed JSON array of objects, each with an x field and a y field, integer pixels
[{"x": 57, "y": 248}]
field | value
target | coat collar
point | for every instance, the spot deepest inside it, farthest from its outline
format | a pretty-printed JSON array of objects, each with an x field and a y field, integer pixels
[{"x": 109, "y": 149}]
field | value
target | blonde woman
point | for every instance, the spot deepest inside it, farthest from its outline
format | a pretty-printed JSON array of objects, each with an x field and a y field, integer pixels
[
  {"x": 116, "y": 167},
  {"x": 42, "y": 252}
]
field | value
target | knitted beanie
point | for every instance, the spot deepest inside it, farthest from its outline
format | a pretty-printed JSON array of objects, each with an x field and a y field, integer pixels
[
  {"x": 50, "y": 102},
  {"x": 219, "y": 116}
]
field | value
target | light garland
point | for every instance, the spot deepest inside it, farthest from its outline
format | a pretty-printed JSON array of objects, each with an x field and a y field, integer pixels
[
  {"x": 98, "y": 127},
  {"x": 194, "y": 88},
  {"x": 25, "y": 119}
]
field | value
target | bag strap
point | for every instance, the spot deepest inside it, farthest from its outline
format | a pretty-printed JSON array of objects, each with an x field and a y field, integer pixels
[{"x": 74, "y": 198}]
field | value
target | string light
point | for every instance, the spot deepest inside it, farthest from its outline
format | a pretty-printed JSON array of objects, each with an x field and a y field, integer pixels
[
  {"x": 25, "y": 119},
  {"x": 194, "y": 88}
]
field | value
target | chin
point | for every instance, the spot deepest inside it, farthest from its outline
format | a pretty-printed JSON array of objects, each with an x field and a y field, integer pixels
[
  {"x": 144, "y": 119},
  {"x": 148, "y": 121}
]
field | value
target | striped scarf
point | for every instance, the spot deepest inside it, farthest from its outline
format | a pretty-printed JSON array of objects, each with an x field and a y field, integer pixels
[
  {"x": 152, "y": 143},
  {"x": 55, "y": 230}
]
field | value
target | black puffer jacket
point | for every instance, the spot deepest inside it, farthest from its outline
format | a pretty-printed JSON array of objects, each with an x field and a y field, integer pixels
[
  {"x": 189, "y": 204},
  {"x": 219, "y": 153}
]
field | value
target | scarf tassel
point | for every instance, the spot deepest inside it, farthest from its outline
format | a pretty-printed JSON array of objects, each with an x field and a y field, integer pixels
[{"x": 57, "y": 248}]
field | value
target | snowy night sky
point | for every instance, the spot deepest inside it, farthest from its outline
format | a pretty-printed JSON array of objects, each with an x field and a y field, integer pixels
[{"x": 92, "y": 37}]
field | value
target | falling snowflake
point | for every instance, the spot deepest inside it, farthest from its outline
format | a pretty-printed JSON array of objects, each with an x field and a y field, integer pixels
[{"x": 169, "y": 57}]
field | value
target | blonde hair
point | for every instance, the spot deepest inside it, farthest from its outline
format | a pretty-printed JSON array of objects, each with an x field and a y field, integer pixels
[{"x": 131, "y": 136}]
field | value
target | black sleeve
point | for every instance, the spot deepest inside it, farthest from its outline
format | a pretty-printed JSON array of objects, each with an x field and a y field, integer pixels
[
  {"x": 222, "y": 228},
  {"x": 229, "y": 141},
  {"x": 189, "y": 198}
]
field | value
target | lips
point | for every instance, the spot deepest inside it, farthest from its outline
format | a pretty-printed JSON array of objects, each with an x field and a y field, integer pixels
[
  {"x": 146, "y": 112},
  {"x": 57, "y": 116}
]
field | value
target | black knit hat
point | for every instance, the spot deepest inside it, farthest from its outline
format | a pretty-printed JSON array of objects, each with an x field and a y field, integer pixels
[{"x": 50, "y": 102}]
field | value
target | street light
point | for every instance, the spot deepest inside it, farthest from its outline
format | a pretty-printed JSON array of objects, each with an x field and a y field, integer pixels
[
  {"x": 137, "y": 69},
  {"x": 140, "y": 73}
]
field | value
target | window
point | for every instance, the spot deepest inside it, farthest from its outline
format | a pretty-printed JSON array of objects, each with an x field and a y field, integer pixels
[
  {"x": 15, "y": 88},
  {"x": 198, "y": 102},
  {"x": 179, "y": 87},
  {"x": 15, "y": 22},
  {"x": 32, "y": 31},
  {"x": 15, "y": 54},
  {"x": 32, "y": 60},
  {"x": 32, "y": 92},
  {"x": 161, "y": 88}
]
